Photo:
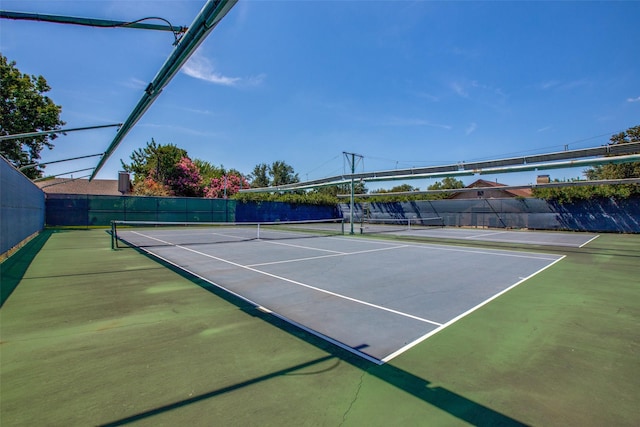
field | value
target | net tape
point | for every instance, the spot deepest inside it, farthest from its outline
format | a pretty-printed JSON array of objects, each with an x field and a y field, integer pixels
[
  {"x": 149, "y": 233},
  {"x": 390, "y": 225}
]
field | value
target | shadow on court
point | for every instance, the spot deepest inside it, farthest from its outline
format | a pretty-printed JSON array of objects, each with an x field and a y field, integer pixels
[
  {"x": 12, "y": 270},
  {"x": 439, "y": 397}
]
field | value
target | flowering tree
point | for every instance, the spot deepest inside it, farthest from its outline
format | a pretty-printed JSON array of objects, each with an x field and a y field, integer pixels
[
  {"x": 166, "y": 170},
  {"x": 225, "y": 186},
  {"x": 150, "y": 186},
  {"x": 185, "y": 179}
]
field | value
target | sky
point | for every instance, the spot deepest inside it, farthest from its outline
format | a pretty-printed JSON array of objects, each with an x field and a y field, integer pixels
[{"x": 403, "y": 83}]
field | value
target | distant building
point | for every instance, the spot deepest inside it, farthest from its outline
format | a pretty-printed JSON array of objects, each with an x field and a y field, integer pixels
[
  {"x": 543, "y": 179},
  {"x": 490, "y": 190},
  {"x": 101, "y": 187}
]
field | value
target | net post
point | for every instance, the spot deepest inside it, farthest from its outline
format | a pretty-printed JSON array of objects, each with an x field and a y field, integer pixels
[
  {"x": 258, "y": 232},
  {"x": 113, "y": 233}
]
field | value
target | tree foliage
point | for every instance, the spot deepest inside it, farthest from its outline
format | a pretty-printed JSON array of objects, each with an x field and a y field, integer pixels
[
  {"x": 278, "y": 173},
  {"x": 259, "y": 176},
  {"x": 226, "y": 185},
  {"x": 281, "y": 174},
  {"x": 24, "y": 108},
  {"x": 402, "y": 188},
  {"x": 313, "y": 198},
  {"x": 446, "y": 184},
  {"x": 618, "y": 171},
  {"x": 155, "y": 160},
  {"x": 601, "y": 172},
  {"x": 166, "y": 170}
]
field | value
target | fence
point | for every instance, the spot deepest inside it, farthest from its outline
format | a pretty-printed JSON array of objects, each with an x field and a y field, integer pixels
[
  {"x": 22, "y": 208},
  {"x": 90, "y": 210},
  {"x": 596, "y": 215}
]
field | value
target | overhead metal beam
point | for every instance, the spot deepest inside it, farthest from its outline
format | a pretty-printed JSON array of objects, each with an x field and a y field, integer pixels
[
  {"x": 92, "y": 22},
  {"x": 504, "y": 187},
  {"x": 59, "y": 174},
  {"x": 464, "y": 169},
  {"x": 210, "y": 15},
  {"x": 54, "y": 131},
  {"x": 62, "y": 182},
  {"x": 59, "y": 161}
]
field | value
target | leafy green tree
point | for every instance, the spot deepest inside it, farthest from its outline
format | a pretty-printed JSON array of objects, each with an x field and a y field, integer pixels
[
  {"x": 278, "y": 173},
  {"x": 359, "y": 187},
  {"x": 208, "y": 170},
  {"x": 259, "y": 176},
  {"x": 156, "y": 160},
  {"x": 619, "y": 171},
  {"x": 447, "y": 183},
  {"x": 164, "y": 170},
  {"x": 601, "y": 172},
  {"x": 25, "y": 108},
  {"x": 282, "y": 174}
]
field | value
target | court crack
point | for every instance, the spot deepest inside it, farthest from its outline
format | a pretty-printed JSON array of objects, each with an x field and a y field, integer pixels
[{"x": 353, "y": 401}]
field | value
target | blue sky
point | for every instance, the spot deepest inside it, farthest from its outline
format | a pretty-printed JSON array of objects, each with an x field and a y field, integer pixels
[{"x": 403, "y": 83}]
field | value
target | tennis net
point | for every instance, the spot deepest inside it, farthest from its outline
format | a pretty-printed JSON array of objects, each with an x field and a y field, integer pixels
[
  {"x": 390, "y": 225},
  {"x": 149, "y": 233}
]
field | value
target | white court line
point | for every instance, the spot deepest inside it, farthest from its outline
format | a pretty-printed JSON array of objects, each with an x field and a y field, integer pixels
[
  {"x": 295, "y": 282},
  {"x": 466, "y": 313},
  {"x": 589, "y": 241},
  {"x": 485, "y": 234},
  {"x": 548, "y": 257},
  {"x": 324, "y": 256},
  {"x": 452, "y": 248},
  {"x": 301, "y": 247}
]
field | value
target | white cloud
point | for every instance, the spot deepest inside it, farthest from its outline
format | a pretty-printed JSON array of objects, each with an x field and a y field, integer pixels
[
  {"x": 459, "y": 89},
  {"x": 134, "y": 83},
  {"x": 633, "y": 99},
  {"x": 471, "y": 128},
  {"x": 201, "y": 68},
  {"x": 560, "y": 85},
  {"x": 427, "y": 96},
  {"x": 548, "y": 84},
  {"x": 408, "y": 121}
]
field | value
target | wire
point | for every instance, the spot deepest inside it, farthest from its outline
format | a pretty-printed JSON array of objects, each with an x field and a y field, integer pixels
[{"x": 178, "y": 32}]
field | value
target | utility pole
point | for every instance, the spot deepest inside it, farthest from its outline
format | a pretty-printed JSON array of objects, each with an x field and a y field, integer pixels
[{"x": 352, "y": 157}]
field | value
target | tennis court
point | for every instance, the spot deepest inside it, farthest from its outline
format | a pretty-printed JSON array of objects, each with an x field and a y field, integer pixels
[
  {"x": 375, "y": 298},
  {"x": 93, "y": 336}
]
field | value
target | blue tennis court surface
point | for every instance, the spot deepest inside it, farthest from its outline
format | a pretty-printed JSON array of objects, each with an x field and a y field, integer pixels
[{"x": 375, "y": 298}]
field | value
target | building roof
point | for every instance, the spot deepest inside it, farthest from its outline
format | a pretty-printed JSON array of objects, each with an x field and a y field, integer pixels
[
  {"x": 481, "y": 183},
  {"x": 104, "y": 187}
]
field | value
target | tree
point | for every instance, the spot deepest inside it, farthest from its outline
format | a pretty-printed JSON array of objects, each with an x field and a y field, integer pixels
[
  {"x": 278, "y": 173},
  {"x": 155, "y": 160},
  {"x": 164, "y": 170},
  {"x": 619, "y": 171},
  {"x": 226, "y": 186},
  {"x": 259, "y": 177},
  {"x": 447, "y": 183},
  {"x": 24, "y": 108},
  {"x": 333, "y": 190},
  {"x": 208, "y": 170},
  {"x": 601, "y": 172},
  {"x": 282, "y": 174},
  {"x": 186, "y": 179}
]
